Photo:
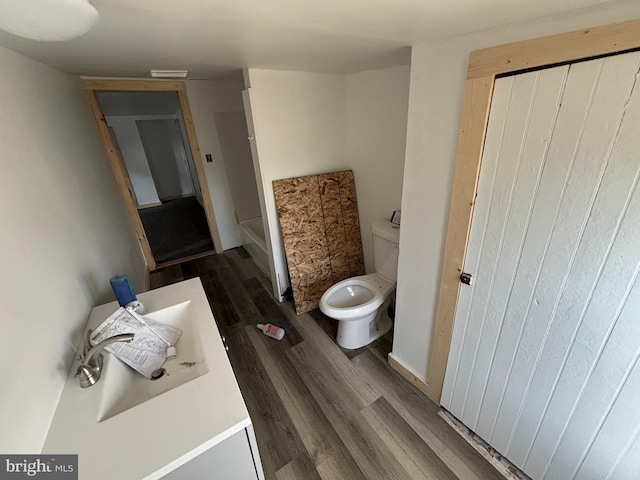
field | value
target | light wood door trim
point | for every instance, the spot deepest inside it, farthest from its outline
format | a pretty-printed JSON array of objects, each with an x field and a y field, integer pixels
[
  {"x": 118, "y": 152},
  {"x": 560, "y": 48},
  {"x": 475, "y": 114},
  {"x": 132, "y": 85},
  {"x": 484, "y": 66},
  {"x": 121, "y": 177},
  {"x": 92, "y": 85}
]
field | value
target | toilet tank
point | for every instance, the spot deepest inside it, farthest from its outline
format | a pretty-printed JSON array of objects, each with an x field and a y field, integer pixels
[{"x": 386, "y": 237}]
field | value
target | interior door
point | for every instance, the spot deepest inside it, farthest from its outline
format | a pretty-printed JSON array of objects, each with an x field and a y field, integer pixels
[{"x": 544, "y": 355}]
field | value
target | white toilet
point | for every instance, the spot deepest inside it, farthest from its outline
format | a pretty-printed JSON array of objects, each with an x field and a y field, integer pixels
[{"x": 360, "y": 303}]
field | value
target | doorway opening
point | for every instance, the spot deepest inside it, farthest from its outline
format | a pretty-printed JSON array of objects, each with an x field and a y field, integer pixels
[{"x": 148, "y": 132}]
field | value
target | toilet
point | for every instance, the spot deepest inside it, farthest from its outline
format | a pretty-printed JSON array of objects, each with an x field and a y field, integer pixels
[{"x": 360, "y": 303}]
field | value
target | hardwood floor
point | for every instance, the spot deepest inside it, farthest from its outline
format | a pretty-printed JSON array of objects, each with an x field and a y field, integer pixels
[{"x": 321, "y": 412}]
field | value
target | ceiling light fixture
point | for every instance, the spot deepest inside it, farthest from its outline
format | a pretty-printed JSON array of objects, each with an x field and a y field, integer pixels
[
  {"x": 168, "y": 73},
  {"x": 47, "y": 20}
]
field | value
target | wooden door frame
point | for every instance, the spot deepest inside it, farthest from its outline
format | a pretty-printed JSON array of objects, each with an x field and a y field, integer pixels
[
  {"x": 93, "y": 85},
  {"x": 118, "y": 154},
  {"x": 484, "y": 67}
]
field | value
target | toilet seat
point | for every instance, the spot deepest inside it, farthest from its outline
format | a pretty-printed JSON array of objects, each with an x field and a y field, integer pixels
[
  {"x": 355, "y": 297},
  {"x": 361, "y": 304}
]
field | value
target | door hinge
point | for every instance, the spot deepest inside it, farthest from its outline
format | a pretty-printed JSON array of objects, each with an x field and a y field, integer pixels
[{"x": 466, "y": 278}]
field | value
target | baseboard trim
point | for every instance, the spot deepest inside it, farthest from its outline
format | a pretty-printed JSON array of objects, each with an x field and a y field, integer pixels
[
  {"x": 410, "y": 375},
  {"x": 149, "y": 205},
  {"x": 174, "y": 197}
]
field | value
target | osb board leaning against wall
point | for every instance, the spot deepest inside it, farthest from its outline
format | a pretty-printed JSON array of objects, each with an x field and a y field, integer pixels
[{"x": 321, "y": 233}]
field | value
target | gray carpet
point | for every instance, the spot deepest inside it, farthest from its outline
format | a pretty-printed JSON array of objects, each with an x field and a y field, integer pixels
[{"x": 176, "y": 229}]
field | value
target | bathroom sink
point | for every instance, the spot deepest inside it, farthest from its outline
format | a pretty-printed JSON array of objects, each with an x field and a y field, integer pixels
[{"x": 123, "y": 388}]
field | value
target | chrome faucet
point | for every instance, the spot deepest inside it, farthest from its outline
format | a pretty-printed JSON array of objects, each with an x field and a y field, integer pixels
[{"x": 89, "y": 370}]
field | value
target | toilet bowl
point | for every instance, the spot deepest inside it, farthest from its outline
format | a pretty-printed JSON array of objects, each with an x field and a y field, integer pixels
[{"x": 360, "y": 304}]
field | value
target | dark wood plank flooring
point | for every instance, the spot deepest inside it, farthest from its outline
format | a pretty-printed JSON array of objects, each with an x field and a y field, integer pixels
[{"x": 319, "y": 411}]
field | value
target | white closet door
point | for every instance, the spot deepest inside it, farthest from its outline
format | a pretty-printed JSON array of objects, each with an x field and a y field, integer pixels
[{"x": 544, "y": 355}]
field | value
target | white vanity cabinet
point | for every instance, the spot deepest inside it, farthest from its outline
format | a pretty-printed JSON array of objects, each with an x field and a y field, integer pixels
[
  {"x": 232, "y": 459},
  {"x": 199, "y": 429}
]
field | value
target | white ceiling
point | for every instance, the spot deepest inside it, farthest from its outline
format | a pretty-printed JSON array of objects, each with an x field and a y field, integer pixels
[{"x": 211, "y": 37}]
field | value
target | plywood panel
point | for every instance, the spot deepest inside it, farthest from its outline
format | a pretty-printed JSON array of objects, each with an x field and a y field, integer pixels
[
  {"x": 321, "y": 233},
  {"x": 351, "y": 222},
  {"x": 334, "y": 225},
  {"x": 305, "y": 242}
]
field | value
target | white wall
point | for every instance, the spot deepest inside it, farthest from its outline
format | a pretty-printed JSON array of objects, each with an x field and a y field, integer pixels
[
  {"x": 134, "y": 158},
  {"x": 438, "y": 72},
  {"x": 186, "y": 147},
  {"x": 300, "y": 129},
  {"x": 236, "y": 154},
  {"x": 65, "y": 232},
  {"x": 205, "y": 98},
  {"x": 234, "y": 148},
  {"x": 310, "y": 123},
  {"x": 168, "y": 164},
  {"x": 182, "y": 153},
  {"x": 377, "y": 103},
  {"x": 235, "y": 151}
]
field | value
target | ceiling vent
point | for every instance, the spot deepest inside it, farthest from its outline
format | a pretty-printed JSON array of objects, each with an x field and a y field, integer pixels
[{"x": 168, "y": 73}]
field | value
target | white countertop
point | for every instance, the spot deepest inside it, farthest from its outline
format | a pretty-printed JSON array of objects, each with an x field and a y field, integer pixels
[{"x": 154, "y": 438}]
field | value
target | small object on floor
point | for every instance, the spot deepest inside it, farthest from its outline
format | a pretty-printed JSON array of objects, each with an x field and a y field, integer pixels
[{"x": 271, "y": 330}]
